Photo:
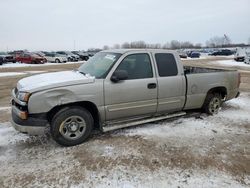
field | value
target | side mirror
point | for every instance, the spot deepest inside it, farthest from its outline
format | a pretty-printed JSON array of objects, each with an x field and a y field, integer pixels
[{"x": 119, "y": 75}]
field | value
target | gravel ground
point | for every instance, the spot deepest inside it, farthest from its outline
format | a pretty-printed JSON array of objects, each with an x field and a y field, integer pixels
[{"x": 201, "y": 151}]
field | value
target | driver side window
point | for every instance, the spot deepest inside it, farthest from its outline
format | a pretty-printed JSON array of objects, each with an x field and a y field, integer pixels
[{"x": 138, "y": 66}]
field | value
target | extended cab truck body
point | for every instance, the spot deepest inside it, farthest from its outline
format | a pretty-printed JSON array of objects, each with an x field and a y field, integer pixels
[{"x": 116, "y": 89}]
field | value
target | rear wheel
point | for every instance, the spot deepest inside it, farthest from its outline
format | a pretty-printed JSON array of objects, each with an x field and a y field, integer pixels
[
  {"x": 212, "y": 103},
  {"x": 57, "y": 61},
  {"x": 71, "y": 126}
]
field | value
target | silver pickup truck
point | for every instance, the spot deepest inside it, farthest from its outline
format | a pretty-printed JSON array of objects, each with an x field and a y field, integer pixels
[{"x": 117, "y": 89}]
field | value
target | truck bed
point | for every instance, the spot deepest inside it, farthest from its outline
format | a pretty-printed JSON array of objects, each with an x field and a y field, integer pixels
[
  {"x": 196, "y": 70},
  {"x": 200, "y": 80}
]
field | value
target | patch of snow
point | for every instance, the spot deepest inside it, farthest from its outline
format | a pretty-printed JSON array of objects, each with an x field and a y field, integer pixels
[
  {"x": 35, "y": 72},
  {"x": 230, "y": 63},
  {"x": 5, "y": 108},
  {"x": 15, "y": 65},
  {"x": 8, "y": 135},
  {"x": 143, "y": 178},
  {"x": 192, "y": 131},
  {"x": 7, "y": 74}
]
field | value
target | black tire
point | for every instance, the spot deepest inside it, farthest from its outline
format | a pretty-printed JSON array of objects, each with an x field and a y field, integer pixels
[
  {"x": 60, "y": 127},
  {"x": 212, "y": 103},
  {"x": 57, "y": 61}
]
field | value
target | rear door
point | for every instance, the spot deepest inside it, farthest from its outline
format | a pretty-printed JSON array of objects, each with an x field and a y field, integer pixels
[
  {"x": 135, "y": 96},
  {"x": 171, "y": 83}
]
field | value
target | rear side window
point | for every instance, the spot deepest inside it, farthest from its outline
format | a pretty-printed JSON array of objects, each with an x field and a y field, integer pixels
[{"x": 166, "y": 64}]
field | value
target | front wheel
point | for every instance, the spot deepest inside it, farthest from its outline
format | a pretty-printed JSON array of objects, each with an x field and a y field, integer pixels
[
  {"x": 71, "y": 126},
  {"x": 212, "y": 104}
]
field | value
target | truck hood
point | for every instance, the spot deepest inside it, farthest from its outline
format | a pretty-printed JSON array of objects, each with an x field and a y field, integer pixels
[{"x": 53, "y": 80}]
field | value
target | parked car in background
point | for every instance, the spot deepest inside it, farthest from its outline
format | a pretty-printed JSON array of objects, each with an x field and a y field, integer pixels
[
  {"x": 70, "y": 55},
  {"x": 194, "y": 55},
  {"x": 7, "y": 57},
  {"x": 30, "y": 58},
  {"x": 1, "y": 60},
  {"x": 40, "y": 53},
  {"x": 224, "y": 52},
  {"x": 55, "y": 57},
  {"x": 247, "y": 58},
  {"x": 83, "y": 55},
  {"x": 241, "y": 53},
  {"x": 182, "y": 54}
]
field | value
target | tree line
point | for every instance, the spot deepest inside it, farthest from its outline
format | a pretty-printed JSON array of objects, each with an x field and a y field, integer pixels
[{"x": 214, "y": 42}]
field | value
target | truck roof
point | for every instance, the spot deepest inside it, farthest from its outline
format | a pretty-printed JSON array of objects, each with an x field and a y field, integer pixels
[{"x": 123, "y": 51}]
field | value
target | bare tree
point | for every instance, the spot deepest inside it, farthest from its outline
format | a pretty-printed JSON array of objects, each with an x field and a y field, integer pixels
[
  {"x": 116, "y": 46},
  {"x": 186, "y": 44},
  {"x": 174, "y": 44},
  {"x": 217, "y": 41},
  {"x": 198, "y": 45},
  {"x": 105, "y": 47},
  {"x": 166, "y": 46},
  {"x": 138, "y": 44},
  {"x": 154, "y": 46},
  {"x": 125, "y": 45}
]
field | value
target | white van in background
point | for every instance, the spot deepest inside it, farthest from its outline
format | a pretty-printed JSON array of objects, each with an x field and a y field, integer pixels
[{"x": 241, "y": 53}]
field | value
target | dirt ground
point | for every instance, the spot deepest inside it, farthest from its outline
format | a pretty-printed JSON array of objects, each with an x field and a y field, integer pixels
[{"x": 200, "y": 151}]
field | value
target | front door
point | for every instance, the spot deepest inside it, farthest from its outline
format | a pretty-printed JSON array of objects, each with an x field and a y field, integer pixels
[{"x": 137, "y": 95}]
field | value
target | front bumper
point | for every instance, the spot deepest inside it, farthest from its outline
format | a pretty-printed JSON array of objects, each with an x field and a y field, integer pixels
[
  {"x": 34, "y": 125},
  {"x": 28, "y": 129},
  {"x": 21, "y": 120}
]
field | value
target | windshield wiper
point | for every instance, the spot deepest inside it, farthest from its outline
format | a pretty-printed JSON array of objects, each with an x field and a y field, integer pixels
[
  {"x": 76, "y": 70},
  {"x": 82, "y": 73}
]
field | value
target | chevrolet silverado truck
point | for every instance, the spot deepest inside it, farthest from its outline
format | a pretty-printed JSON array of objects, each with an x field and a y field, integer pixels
[{"x": 117, "y": 89}]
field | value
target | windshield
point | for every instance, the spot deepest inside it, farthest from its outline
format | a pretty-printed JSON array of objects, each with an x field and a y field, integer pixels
[{"x": 99, "y": 65}]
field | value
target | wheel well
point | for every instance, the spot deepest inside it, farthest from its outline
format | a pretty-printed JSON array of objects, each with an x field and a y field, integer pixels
[
  {"x": 221, "y": 90},
  {"x": 91, "y": 107}
]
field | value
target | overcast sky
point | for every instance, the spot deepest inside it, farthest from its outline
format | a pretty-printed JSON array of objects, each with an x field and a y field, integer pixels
[{"x": 56, "y": 24}]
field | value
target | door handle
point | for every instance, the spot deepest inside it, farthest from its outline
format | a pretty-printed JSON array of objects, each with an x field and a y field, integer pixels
[{"x": 152, "y": 86}]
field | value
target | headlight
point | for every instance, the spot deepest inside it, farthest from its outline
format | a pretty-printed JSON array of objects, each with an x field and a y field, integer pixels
[{"x": 23, "y": 96}]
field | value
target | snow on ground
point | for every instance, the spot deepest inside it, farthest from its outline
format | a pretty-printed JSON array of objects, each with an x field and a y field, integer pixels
[
  {"x": 230, "y": 63},
  {"x": 8, "y": 136},
  {"x": 206, "y": 56},
  {"x": 7, "y": 74},
  {"x": 4, "y": 108},
  {"x": 172, "y": 178},
  {"x": 10, "y": 65},
  {"x": 186, "y": 152},
  {"x": 184, "y": 128}
]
